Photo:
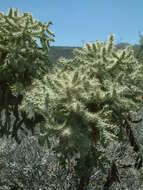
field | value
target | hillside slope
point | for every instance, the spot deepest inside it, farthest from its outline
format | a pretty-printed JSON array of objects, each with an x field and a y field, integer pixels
[
  {"x": 60, "y": 51},
  {"x": 64, "y": 51}
]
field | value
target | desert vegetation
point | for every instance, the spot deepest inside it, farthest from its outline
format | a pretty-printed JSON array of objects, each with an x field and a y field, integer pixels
[{"x": 74, "y": 123}]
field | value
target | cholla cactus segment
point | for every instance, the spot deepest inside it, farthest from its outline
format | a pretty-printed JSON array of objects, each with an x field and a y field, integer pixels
[{"x": 34, "y": 98}]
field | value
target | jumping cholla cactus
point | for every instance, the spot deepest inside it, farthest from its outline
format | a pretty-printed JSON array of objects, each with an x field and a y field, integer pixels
[
  {"x": 87, "y": 106},
  {"x": 22, "y": 57},
  {"x": 24, "y": 45}
]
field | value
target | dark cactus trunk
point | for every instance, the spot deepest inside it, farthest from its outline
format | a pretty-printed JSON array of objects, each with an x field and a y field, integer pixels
[
  {"x": 84, "y": 181},
  {"x": 113, "y": 176}
]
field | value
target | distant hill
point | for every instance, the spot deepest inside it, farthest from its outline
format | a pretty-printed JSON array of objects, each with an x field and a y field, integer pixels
[
  {"x": 122, "y": 45},
  {"x": 60, "y": 51},
  {"x": 64, "y": 51}
]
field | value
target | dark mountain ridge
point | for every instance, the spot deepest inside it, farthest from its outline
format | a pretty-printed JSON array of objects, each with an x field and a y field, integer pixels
[
  {"x": 65, "y": 51},
  {"x": 61, "y": 51}
]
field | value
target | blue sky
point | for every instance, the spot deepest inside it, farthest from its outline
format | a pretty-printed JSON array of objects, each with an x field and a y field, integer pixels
[{"x": 78, "y": 21}]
